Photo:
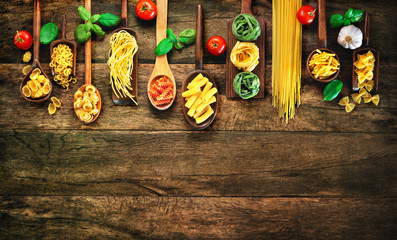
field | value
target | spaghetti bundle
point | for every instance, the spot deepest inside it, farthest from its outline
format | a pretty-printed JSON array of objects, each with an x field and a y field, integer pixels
[
  {"x": 62, "y": 62},
  {"x": 123, "y": 47},
  {"x": 287, "y": 57}
]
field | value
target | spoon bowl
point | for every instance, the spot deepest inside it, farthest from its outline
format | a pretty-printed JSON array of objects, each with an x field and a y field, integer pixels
[
  {"x": 71, "y": 44},
  {"x": 36, "y": 50},
  {"x": 363, "y": 50},
  {"x": 322, "y": 43},
  {"x": 88, "y": 75},
  {"x": 134, "y": 74}
]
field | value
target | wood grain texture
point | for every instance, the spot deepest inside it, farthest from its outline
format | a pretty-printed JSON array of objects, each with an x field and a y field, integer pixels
[
  {"x": 258, "y": 115},
  {"x": 182, "y": 16},
  {"x": 196, "y": 218},
  {"x": 236, "y": 163}
]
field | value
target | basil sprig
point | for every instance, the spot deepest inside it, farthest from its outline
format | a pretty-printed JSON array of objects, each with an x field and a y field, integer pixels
[
  {"x": 186, "y": 37},
  {"x": 332, "y": 90},
  {"x": 246, "y": 28},
  {"x": 48, "y": 33},
  {"x": 351, "y": 16},
  {"x": 83, "y": 31},
  {"x": 246, "y": 85}
]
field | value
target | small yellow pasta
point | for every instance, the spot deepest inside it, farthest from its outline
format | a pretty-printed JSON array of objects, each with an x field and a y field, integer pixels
[
  {"x": 205, "y": 116},
  {"x": 191, "y": 100},
  {"x": 209, "y": 94},
  {"x": 199, "y": 113},
  {"x": 192, "y": 110},
  {"x": 204, "y": 105},
  {"x": 27, "y": 57},
  {"x": 191, "y": 92},
  {"x": 197, "y": 78},
  {"x": 207, "y": 87},
  {"x": 62, "y": 63},
  {"x": 199, "y": 83}
]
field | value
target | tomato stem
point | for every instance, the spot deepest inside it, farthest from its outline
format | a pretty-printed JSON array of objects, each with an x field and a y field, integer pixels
[
  {"x": 312, "y": 13},
  {"x": 19, "y": 39}
]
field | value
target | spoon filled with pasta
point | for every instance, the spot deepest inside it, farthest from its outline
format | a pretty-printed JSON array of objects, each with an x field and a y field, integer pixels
[
  {"x": 199, "y": 92},
  {"x": 63, "y": 59},
  {"x": 123, "y": 62},
  {"x": 87, "y": 100}
]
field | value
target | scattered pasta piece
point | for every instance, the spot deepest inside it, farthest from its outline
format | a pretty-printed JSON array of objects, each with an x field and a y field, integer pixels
[
  {"x": 27, "y": 57},
  {"x": 62, "y": 63},
  {"x": 26, "y": 91},
  {"x": 56, "y": 102},
  {"x": 348, "y": 106},
  {"x": 52, "y": 108},
  {"x": 357, "y": 96},
  {"x": 245, "y": 56},
  {"x": 323, "y": 64},
  {"x": 344, "y": 101},
  {"x": 374, "y": 99},
  {"x": 25, "y": 70}
]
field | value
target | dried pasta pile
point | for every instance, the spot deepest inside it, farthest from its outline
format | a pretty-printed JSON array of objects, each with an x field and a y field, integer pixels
[
  {"x": 162, "y": 91},
  {"x": 245, "y": 56},
  {"x": 123, "y": 47},
  {"x": 287, "y": 57},
  {"x": 62, "y": 62},
  {"x": 38, "y": 86},
  {"x": 86, "y": 103}
]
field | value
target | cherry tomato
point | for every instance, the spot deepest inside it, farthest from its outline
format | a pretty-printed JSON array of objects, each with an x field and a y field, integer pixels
[
  {"x": 23, "y": 40},
  {"x": 146, "y": 9},
  {"x": 216, "y": 45},
  {"x": 306, "y": 15}
]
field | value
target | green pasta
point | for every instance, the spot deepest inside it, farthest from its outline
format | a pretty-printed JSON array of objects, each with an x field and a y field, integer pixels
[
  {"x": 246, "y": 85},
  {"x": 246, "y": 28}
]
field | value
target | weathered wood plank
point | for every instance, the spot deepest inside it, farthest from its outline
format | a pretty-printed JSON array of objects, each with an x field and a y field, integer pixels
[
  {"x": 196, "y": 218},
  {"x": 181, "y": 16},
  {"x": 258, "y": 115},
  {"x": 214, "y": 163}
]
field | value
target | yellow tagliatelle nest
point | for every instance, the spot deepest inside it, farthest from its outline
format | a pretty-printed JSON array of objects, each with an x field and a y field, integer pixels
[
  {"x": 245, "y": 56},
  {"x": 123, "y": 47},
  {"x": 38, "y": 86},
  {"x": 26, "y": 57},
  {"x": 86, "y": 103},
  {"x": 62, "y": 63},
  {"x": 323, "y": 64}
]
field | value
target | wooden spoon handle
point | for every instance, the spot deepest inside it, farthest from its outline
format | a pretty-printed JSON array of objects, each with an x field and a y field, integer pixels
[
  {"x": 124, "y": 13},
  {"x": 36, "y": 29},
  {"x": 88, "y": 51},
  {"x": 322, "y": 24},
  {"x": 246, "y": 6},
  {"x": 64, "y": 27},
  {"x": 199, "y": 38},
  {"x": 366, "y": 29},
  {"x": 161, "y": 31}
]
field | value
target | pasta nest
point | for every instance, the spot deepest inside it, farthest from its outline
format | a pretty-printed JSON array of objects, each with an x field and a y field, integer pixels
[{"x": 245, "y": 56}]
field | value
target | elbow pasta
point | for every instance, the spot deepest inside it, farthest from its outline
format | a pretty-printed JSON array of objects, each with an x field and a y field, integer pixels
[
  {"x": 62, "y": 63},
  {"x": 199, "y": 96}
]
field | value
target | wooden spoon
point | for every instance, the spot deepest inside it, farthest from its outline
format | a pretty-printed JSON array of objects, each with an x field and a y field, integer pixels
[
  {"x": 363, "y": 50},
  {"x": 36, "y": 49},
  {"x": 71, "y": 44},
  {"x": 134, "y": 75},
  {"x": 161, "y": 67},
  {"x": 322, "y": 42},
  {"x": 88, "y": 72},
  {"x": 199, "y": 69}
]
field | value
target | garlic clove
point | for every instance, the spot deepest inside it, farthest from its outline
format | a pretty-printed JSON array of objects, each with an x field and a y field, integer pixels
[{"x": 350, "y": 37}]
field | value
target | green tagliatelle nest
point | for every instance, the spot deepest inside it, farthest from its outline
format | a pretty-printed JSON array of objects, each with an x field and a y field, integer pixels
[
  {"x": 246, "y": 27},
  {"x": 246, "y": 85}
]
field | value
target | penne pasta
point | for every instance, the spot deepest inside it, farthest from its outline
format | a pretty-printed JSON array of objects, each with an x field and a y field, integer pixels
[
  {"x": 191, "y": 100},
  {"x": 209, "y": 94},
  {"x": 191, "y": 92},
  {"x": 204, "y": 105},
  {"x": 207, "y": 87},
  {"x": 197, "y": 78},
  {"x": 199, "y": 83},
  {"x": 205, "y": 116},
  {"x": 199, "y": 113}
]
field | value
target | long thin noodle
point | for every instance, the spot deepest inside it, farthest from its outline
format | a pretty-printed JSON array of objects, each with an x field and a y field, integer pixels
[
  {"x": 123, "y": 47},
  {"x": 287, "y": 57}
]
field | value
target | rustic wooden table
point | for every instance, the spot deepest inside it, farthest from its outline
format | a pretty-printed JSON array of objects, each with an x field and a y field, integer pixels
[{"x": 137, "y": 173}]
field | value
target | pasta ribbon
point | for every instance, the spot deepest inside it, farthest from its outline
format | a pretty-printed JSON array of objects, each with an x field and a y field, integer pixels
[
  {"x": 245, "y": 56},
  {"x": 246, "y": 85},
  {"x": 246, "y": 28}
]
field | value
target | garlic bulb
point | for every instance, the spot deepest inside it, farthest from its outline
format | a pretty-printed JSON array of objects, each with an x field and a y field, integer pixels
[{"x": 350, "y": 37}]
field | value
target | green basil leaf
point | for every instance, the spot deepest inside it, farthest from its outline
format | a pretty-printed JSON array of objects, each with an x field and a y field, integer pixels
[
  {"x": 171, "y": 35},
  {"x": 357, "y": 16},
  {"x": 48, "y": 33},
  {"x": 188, "y": 36},
  {"x": 346, "y": 22},
  {"x": 178, "y": 45},
  {"x": 336, "y": 20},
  {"x": 109, "y": 20},
  {"x": 84, "y": 13},
  {"x": 349, "y": 13},
  {"x": 81, "y": 34},
  {"x": 88, "y": 26},
  {"x": 332, "y": 90},
  {"x": 94, "y": 18},
  {"x": 98, "y": 30},
  {"x": 164, "y": 47}
]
